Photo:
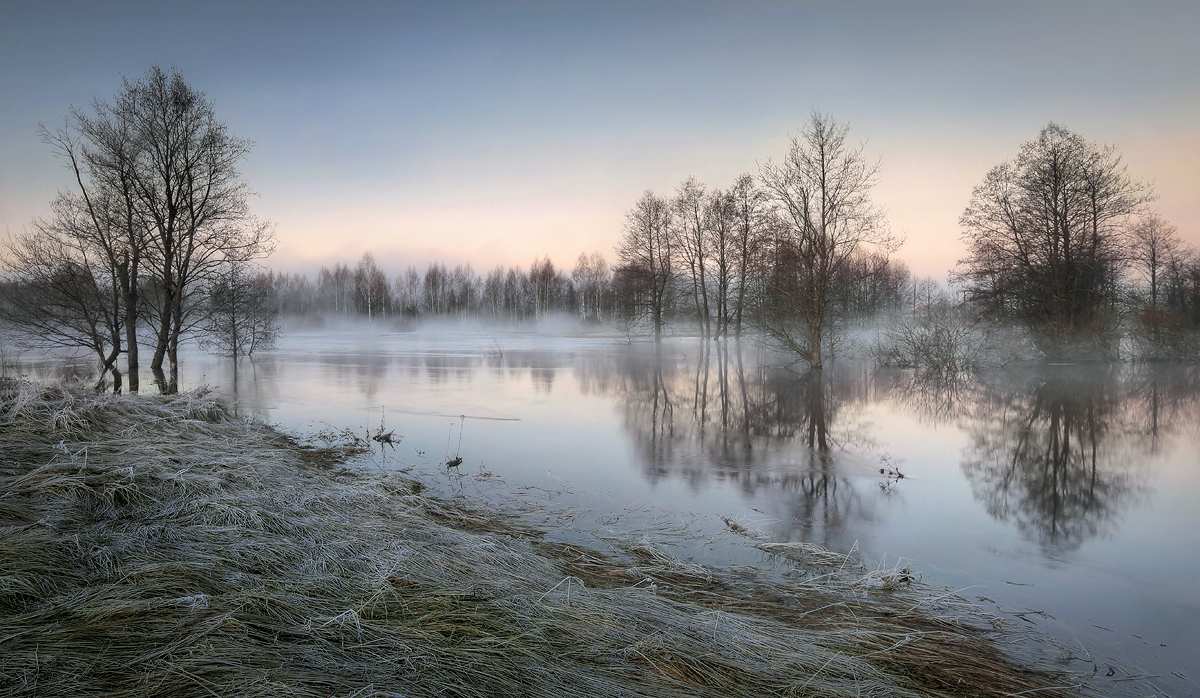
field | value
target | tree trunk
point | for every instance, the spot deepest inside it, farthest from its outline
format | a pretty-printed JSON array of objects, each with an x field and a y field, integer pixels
[
  {"x": 814, "y": 345},
  {"x": 131, "y": 345}
]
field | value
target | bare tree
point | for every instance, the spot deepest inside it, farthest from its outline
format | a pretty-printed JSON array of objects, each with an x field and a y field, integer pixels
[
  {"x": 336, "y": 288},
  {"x": 691, "y": 243},
  {"x": 408, "y": 291},
  {"x": 104, "y": 214},
  {"x": 647, "y": 259},
  {"x": 58, "y": 294},
  {"x": 548, "y": 287},
  {"x": 372, "y": 295},
  {"x": 1168, "y": 315},
  {"x": 1045, "y": 232},
  {"x": 820, "y": 196},
  {"x": 242, "y": 313},
  {"x": 436, "y": 289},
  {"x": 749, "y": 204},
  {"x": 870, "y": 283},
  {"x": 515, "y": 282},
  {"x": 592, "y": 281},
  {"x": 1153, "y": 243},
  {"x": 296, "y": 294},
  {"x": 721, "y": 238},
  {"x": 1182, "y": 282},
  {"x": 190, "y": 195}
]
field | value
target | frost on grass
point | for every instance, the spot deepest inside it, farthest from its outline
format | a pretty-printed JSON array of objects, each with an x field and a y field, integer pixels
[{"x": 157, "y": 546}]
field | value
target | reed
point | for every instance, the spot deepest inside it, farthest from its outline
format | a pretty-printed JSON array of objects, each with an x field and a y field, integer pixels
[{"x": 157, "y": 546}]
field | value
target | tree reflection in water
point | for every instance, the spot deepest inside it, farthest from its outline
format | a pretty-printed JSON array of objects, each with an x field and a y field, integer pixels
[
  {"x": 1056, "y": 452},
  {"x": 1059, "y": 454},
  {"x": 725, "y": 413}
]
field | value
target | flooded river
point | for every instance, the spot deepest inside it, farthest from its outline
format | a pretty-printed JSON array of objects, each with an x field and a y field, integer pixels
[{"x": 1064, "y": 497}]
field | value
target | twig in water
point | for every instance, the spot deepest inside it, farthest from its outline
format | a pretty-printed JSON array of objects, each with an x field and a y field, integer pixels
[
  {"x": 457, "y": 459},
  {"x": 383, "y": 437}
]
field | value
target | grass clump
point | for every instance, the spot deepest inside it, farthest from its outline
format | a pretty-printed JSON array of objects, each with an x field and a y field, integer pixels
[{"x": 156, "y": 546}]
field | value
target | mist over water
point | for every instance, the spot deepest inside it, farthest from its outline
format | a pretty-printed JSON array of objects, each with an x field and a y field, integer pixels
[{"x": 1069, "y": 490}]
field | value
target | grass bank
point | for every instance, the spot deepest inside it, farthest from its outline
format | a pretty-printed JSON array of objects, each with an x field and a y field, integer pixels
[{"x": 157, "y": 546}]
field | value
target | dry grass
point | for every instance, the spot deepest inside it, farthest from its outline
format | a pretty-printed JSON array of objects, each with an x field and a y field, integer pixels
[{"x": 159, "y": 547}]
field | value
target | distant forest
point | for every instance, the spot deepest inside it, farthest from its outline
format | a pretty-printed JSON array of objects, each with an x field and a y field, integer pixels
[{"x": 592, "y": 290}]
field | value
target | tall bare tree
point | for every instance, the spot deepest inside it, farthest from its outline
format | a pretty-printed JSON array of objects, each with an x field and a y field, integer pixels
[
  {"x": 820, "y": 197},
  {"x": 103, "y": 213},
  {"x": 749, "y": 205},
  {"x": 720, "y": 230},
  {"x": 190, "y": 195},
  {"x": 647, "y": 259},
  {"x": 689, "y": 208}
]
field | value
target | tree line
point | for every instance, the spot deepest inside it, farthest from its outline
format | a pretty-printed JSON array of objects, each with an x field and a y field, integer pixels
[
  {"x": 791, "y": 253},
  {"x": 503, "y": 293}
]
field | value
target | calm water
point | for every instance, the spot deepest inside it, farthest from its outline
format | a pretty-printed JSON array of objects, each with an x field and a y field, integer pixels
[{"x": 1070, "y": 490}]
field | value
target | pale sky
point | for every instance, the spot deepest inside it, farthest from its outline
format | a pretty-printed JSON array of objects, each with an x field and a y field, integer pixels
[{"x": 496, "y": 132}]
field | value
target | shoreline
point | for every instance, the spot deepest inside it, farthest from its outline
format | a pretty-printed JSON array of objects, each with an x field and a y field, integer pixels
[{"x": 159, "y": 546}]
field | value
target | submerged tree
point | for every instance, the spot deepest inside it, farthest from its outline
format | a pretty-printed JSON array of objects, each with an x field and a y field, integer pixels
[
  {"x": 721, "y": 237},
  {"x": 242, "y": 313},
  {"x": 192, "y": 196},
  {"x": 1045, "y": 232},
  {"x": 691, "y": 244},
  {"x": 103, "y": 218},
  {"x": 823, "y": 214},
  {"x": 158, "y": 205},
  {"x": 58, "y": 294},
  {"x": 749, "y": 211}
]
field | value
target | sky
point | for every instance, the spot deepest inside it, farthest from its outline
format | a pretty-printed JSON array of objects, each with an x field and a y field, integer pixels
[{"x": 494, "y": 133}]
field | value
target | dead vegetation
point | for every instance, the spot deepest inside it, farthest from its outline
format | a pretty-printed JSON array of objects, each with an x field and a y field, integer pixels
[{"x": 159, "y": 547}]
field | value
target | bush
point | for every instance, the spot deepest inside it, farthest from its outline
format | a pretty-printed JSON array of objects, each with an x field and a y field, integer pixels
[
  {"x": 1163, "y": 335},
  {"x": 941, "y": 338}
]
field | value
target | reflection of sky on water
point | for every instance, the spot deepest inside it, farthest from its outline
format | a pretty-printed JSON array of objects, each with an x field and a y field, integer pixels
[{"x": 1069, "y": 489}]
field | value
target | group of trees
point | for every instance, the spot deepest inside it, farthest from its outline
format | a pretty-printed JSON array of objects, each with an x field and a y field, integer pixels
[
  {"x": 1062, "y": 239},
  {"x": 788, "y": 253},
  {"x": 508, "y": 294},
  {"x": 156, "y": 215}
]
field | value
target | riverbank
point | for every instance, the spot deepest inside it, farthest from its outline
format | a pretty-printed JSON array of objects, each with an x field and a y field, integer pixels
[{"x": 158, "y": 546}]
